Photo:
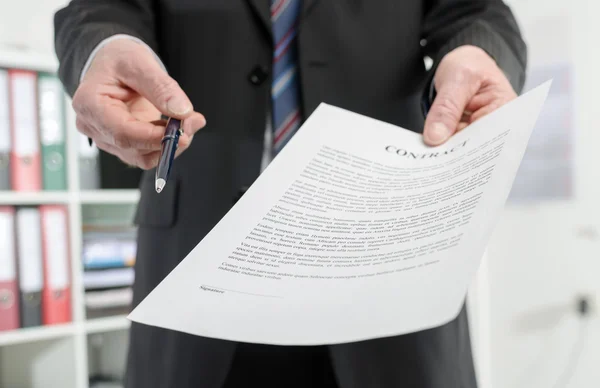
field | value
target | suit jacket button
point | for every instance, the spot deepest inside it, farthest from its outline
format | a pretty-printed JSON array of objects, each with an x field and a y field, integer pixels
[{"x": 258, "y": 75}]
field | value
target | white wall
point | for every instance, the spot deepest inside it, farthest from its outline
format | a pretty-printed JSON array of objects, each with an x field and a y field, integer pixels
[
  {"x": 544, "y": 254},
  {"x": 29, "y": 23}
]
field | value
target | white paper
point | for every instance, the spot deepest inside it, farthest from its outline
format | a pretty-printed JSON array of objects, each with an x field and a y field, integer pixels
[
  {"x": 399, "y": 234},
  {"x": 55, "y": 230}
]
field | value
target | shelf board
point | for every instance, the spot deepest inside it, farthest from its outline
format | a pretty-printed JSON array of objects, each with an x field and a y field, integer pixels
[
  {"x": 11, "y": 57},
  {"x": 33, "y": 334},
  {"x": 33, "y": 197},
  {"x": 109, "y": 196},
  {"x": 103, "y": 325},
  {"x": 63, "y": 197}
]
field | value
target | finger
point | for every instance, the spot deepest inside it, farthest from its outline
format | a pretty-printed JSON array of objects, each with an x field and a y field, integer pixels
[
  {"x": 124, "y": 131},
  {"x": 147, "y": 161},
  {"x": 110, "y": 120},
  {"x": 85, "y": 103},
  {"x": 185, "y": 146},
  {"x": 118, "y": 91},
  {"x": 184, "y": 139},
  {"x": 462, "y": 125},
  {"x": 93, "y": 133},
  {"x": 132, "y": 158},
  {"x": 85, "y": 129},
  {"x": 89, "y": 131},
  {"x": 111, "y": 149},
  {"x": 482, "y": 99},
  {"x": 145, "y": 76},
  {"x": 194, "y": 123},
  {"x": 159, "y": 122},
  {"x": 466, "y": 116},
  {"x": 184, "y": 143},
  {"x": 484, "y": 111},
  {"x": 447, "y": 109}
]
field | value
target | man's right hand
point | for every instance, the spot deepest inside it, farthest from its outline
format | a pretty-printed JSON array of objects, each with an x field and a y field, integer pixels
[{"x": 120, "y": 100}]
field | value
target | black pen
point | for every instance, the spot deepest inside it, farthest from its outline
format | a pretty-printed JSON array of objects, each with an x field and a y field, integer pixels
[{"x": 167, "y": 153}]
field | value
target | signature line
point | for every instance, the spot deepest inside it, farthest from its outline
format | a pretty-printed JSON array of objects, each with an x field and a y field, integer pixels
[{"x": 241, "y": 292}]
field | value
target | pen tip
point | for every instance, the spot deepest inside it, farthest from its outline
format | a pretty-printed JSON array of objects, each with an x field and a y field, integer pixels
[{"x": 160, "y": 184}]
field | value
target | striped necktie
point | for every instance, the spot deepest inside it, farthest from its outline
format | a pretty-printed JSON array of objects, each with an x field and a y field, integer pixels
[{"x": 285, "y": 90}]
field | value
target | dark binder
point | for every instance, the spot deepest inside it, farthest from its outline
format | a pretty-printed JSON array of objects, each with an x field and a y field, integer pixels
[
  {"x": 4, "y": 171},
  {"x": 31, "y": 309},
  {"x": 31, "y": 276}
]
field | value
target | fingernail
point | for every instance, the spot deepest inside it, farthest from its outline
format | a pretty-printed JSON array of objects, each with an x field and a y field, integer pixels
[
  {"x": 439, "y": 132},
  {"x": 179, "y": 105}
]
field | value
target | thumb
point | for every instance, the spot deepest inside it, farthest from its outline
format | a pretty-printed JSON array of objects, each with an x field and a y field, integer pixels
[
  {"x": 145, "y": 75},
  {"x": 446, "y": 111}
]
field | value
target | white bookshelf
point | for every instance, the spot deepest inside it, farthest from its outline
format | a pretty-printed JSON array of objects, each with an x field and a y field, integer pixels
[
  {"x": 109, "y": 196},
  {"x": 108, "y": 324},
  {"x": 27, "y": 59},
  {"x": 88, "y": 197},
  {"x": 33, "y": 198},
  {"x": 23, "y": 336},
  {"x": 89, "y": 326},
  {"x": 61, "y": 355}
]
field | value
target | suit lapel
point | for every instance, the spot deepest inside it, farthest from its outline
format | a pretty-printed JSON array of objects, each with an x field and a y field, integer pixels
[{"x": 263, "y": 11}]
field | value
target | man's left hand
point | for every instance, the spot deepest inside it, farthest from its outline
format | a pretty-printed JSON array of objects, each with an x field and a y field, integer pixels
[{"x": 469, "y": 85}]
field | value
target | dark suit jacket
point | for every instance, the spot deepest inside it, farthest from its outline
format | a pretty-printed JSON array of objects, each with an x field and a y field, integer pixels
[{"x": 362, "y": 55}]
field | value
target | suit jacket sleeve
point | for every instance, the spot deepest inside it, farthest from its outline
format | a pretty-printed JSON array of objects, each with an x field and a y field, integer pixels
[
  {"x": 83, "y": 24},
  {"x": 488, "y": 24}
]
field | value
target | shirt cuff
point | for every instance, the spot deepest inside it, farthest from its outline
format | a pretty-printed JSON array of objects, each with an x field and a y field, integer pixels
[{"x": 110, "y": 39}]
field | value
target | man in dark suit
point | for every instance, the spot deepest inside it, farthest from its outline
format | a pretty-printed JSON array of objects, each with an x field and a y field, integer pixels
[{"x": 254, "y": 70}]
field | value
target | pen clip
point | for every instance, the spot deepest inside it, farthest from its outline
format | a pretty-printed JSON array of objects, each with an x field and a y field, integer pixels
[{"x": 172, "y": 134}]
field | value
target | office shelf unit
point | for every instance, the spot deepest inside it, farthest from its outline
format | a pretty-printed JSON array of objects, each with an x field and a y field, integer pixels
[{"x": 60, "y": 355}]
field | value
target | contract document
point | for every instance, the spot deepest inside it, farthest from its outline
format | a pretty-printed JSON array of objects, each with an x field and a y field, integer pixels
[{"x": 356, "y": 230}]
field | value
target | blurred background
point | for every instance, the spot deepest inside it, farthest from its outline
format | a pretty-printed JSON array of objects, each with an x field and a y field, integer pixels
[{"x": 534, "y": 304}]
